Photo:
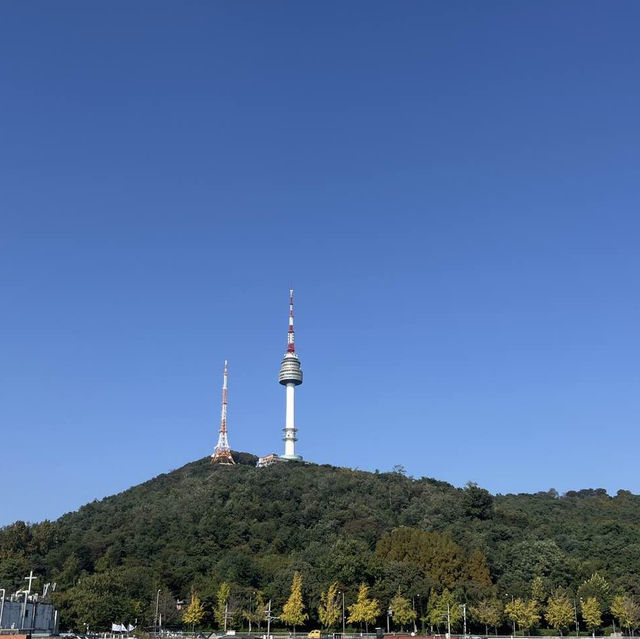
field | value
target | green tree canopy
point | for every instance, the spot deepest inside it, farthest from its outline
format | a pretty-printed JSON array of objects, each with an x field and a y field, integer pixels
[{"x": 436, "y": 554}]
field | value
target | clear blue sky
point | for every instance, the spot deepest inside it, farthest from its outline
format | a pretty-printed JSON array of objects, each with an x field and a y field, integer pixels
[{"x": 452, "y": 188}]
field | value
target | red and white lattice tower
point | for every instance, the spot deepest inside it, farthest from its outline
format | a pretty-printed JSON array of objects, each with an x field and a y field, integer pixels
[{"x": 222, "y": 452}]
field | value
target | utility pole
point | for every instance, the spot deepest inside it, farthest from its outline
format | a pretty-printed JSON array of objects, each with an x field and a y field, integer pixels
[
  {"x": 226, "y": 616},
  {"x": 575, "y": 616},
  {"x": 464, "y": 616},
  {"x": 270, "y": 617},
  {"x": 448, "y": 621},
  {"x": 2, "y": 605}
]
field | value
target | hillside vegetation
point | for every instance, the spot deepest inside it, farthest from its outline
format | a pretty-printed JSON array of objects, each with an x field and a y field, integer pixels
[{"x": 201, "y": 526}]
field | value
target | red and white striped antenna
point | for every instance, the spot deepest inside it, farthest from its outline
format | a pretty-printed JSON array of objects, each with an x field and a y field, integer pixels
[
  {"x": 222, "y": 452},
  {"x": 291, "y": 346}
]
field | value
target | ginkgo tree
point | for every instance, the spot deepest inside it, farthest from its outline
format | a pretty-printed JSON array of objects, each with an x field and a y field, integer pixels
[
  {"x": 591, "y": 613},
  {"x": 559, "y": 612},
  {"x": 402, "y": 611},
  {"x": 364, "y": 610},
  {"x": 293, "y": 613},
  {"x": 329, "y": 608},
  {"x": 194, "y": 612}
]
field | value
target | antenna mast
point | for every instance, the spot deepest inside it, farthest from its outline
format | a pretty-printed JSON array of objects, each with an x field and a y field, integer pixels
[{"x": 222, "y": 452}]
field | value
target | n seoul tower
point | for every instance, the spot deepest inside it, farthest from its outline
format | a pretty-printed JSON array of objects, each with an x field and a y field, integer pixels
[{"x": 290, "y": 376}]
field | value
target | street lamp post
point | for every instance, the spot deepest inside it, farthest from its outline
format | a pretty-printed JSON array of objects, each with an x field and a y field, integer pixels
[
  {"x": 343, "y": 620},
  {"x": 2, "y": 605},
  {"x": 413, "y": 607},
  {"x": 513, "y": 621},
  {"x": 155, "y": 623},
  {"x": 448, "y": 621},
  {"x": 420, "y": 613}
]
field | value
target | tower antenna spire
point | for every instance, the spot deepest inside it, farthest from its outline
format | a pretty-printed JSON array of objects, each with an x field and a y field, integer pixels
[
  {"x": 291, "y": 345},
  {"x": 222, "y": 452}
]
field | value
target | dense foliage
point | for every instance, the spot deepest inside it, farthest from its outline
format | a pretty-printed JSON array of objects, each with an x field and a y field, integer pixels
[{"x": 408, "y": 540}]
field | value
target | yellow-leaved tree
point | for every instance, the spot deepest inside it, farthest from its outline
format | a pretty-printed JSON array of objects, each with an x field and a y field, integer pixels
[
  {"x": 402, "y": 610},
  {"x": 488, "y": 612},
  {"x": 559, "y": 612},
  {"x": 364, "y": 610},
  {"x": 221, "y": 611},
  {"x": 591, "y": 614},
  {"x": 293, "y": 613},
  {"x": 627, "y": 611},
  {"x": 523, "y": 613},
  {"x": 329, "y": 608},
  {"x": 194, "y": 612}
]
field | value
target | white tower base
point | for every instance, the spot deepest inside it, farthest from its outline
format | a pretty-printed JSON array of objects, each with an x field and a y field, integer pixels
[{"x": 290, "y": 428}]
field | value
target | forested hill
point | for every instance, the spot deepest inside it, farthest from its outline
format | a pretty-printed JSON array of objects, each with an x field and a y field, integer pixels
[{"x": 201, "y": 525}]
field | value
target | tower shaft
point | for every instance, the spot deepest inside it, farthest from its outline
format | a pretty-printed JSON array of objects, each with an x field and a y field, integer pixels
[
  {"x": 290, "y": 429},
  {"x": 222, "y": 452}
]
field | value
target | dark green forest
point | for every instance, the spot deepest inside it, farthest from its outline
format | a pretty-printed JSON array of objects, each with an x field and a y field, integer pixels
[{"x": 200, "y": 526}]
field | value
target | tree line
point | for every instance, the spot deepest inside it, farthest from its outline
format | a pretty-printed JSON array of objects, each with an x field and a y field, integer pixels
[
  {"x": 416, "y": 545},
  {"x": 560, "y": 611}
]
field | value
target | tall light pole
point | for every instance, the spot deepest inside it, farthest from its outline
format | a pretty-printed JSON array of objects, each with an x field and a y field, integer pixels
[
  {"x": 155, "y": 623},
  {"x": 341, "y": 592},
  {"x": 448, "y": 621},
  {"x": 413, "y": 607},
  {"x": 513, "y": 621},
  {"x": 2, "y": 605},
  {"x": 420, "y": 613}
]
